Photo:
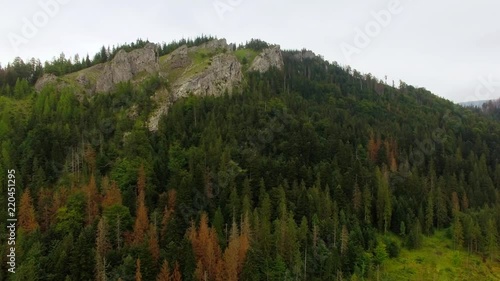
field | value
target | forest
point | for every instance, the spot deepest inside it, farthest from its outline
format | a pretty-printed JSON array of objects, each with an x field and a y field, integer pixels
[{"x": 313, "y": 172}]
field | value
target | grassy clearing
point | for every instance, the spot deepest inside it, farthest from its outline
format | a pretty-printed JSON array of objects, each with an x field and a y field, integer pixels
[
  {"x": 437, "y": 260},
  {"x": 246, "y": 56}
]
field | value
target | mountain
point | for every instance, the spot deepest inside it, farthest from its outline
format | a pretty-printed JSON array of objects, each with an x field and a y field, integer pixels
[
  {"x": 211, "y": 68},
  {"x": 478, "y": 103},
  {"x": 203, "y": 160}
]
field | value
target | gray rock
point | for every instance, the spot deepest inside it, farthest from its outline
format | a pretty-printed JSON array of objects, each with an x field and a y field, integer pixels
[
  {"x": 83, "y": 80},
  {"x": 270, "y": 57},
  {"x": 179, "y": 58},
  {"x": 223, "y": 74},
  {"x": 125, "y": 66},
  {"x": 44, "y": 81}
]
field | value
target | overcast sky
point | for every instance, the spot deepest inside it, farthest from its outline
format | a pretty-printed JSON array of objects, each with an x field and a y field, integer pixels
[{"x": 449, "y": 47}]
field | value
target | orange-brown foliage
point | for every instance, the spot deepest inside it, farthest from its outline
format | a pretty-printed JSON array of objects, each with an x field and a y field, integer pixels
[{"x": 27, "y": 220}]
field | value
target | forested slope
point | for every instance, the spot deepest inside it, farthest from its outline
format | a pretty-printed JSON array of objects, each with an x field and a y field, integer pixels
[{"x": 305, "y": 173}]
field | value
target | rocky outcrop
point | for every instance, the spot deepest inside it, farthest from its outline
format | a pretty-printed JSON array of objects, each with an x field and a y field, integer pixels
[
  {"x": 83, "y": 81},
  {"x": 222, "y": 75},
  {"x": 162, "y": 98},
  {"x": 179, "y": 58},
  {"x": 125, "y": 66},
  {"x": 44, "y": 81},
  {"x": 270, "y": 57}
]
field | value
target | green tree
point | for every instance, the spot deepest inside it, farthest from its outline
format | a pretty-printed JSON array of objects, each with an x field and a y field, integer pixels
[
  {"x": 384, "y": 205},
  {"x": 491, "y": 238},
  {"x": 458, "y": 234},
  {"x": 379, "y": 257}
]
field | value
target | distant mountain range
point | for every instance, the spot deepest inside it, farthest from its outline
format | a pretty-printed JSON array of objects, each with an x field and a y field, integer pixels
[{"x": 478, "y": 103}]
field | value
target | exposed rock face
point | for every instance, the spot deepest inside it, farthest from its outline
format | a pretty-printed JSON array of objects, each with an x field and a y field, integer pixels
[
  {"x": 83, "y": 80},
  {"x": 125, "y": 66},
  {"x": 162, "y": 98},
  {"x": 210, "y": 69},
  {"x": 270, "y": 57},
  {"x": 45, "y": 80},
  {"x": 223, "y": 74},
  {"x": 179, "y": 58}
]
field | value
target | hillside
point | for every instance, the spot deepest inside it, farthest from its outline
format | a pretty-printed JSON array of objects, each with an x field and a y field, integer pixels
[{"x": 203, "y": 160}]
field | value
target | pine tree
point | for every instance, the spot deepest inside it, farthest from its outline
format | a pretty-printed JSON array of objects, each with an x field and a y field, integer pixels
[
  {"x": 356, "y": 198},
  {"x": 491, "y": 237},
  {"x": 141, "y": 224},
  {"x": 154, "y": 247},
  {"x": 90, "y": 158},
  {"x": 164, "y": 274},
  {"x": 344, "y": 240},
  {"x": 379, "y": 257},
  {"x": 172, "y": 199},
  {"x": 138, "y": 274},
  {"x": 206, "y": 249},
  {"x": 384, "y": 205},
  {"x": 458, "y": 234},
  {"x": 244, "y": 242},
  {"x": 465, "y": 202},
  {"x": 231, "y": 255},
  {"x": 102, "y": 248},
  {"x": 177, "y": 276},
  {"x": 367, "y": 204},
  {"x": 455, "y": 204},
  {"x": 103, "y": 55},
  {"x": 441, "y": 209},
  {"x": 113, "y": 196},
  {"x": 44, "y": 206},
  {"x": 87, "y": 61},
  {"x": 429, "y": 214},
  {"x": 373, "y": 147},
  {"x": 168, "y": 211},
  {"x": 27, "y": 220},
  {"x": 93, "y": 200},
  {"x": 218, "y": 224}
]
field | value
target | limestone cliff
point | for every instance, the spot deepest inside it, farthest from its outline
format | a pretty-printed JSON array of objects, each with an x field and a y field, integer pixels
[
  {"x": 126, "y": 66},
  {"x": 270, "y": 57},
  {"x": 223, "y": 74},
  {"x": 219, "y": 71},
  {"x": 210, "y": 69}
]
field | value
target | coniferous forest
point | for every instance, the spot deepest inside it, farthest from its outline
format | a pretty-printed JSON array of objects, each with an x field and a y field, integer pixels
[{"x": 313, "y": 172}]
